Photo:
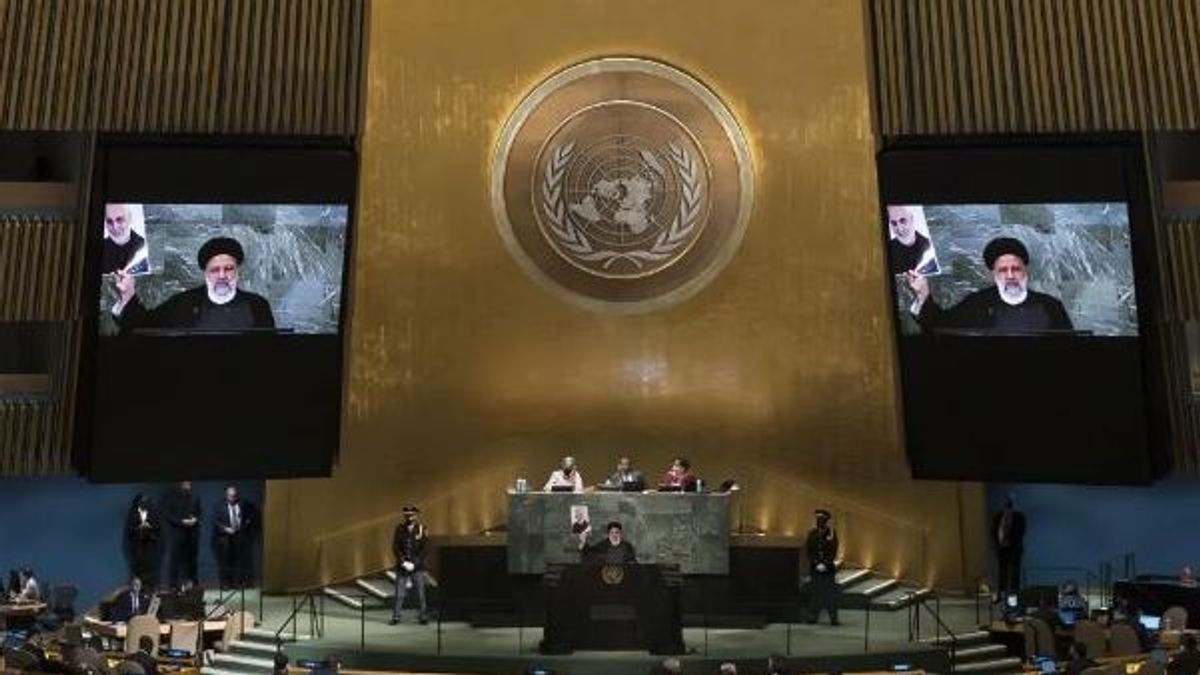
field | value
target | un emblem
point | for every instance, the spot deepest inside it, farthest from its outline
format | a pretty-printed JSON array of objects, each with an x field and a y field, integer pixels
[
  {"x": 612, "y": 575},
  {"x": 622, "y": 184}
]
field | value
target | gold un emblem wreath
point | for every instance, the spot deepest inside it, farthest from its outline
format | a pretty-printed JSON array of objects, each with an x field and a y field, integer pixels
[{"x": 621, "y": 184}]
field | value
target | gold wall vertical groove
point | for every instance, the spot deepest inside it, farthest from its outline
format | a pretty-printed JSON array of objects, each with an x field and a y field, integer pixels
[
  {"x": 195, "y": 66},
  {"x": 1061, "y": 66}
]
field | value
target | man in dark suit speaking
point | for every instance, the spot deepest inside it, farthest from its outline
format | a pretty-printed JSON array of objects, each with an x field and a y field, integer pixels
[{"x": 218, "y": 305}]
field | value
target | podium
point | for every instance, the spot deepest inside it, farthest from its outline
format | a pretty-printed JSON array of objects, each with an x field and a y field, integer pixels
[{"x": 598, "y": 606}]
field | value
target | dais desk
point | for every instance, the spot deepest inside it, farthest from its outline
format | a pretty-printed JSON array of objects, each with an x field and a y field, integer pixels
[{"x": 690, "y": 530}]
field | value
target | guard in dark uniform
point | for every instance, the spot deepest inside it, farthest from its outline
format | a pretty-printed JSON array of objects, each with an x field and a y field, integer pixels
[
  {"x": 408, "y": 545},
  {"x": 822, "y": 548}
]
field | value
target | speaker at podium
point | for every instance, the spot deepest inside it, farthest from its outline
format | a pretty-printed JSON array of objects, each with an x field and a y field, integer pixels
[{"x": 599, "y": 606}]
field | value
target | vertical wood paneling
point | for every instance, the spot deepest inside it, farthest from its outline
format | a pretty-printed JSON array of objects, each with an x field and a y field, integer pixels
[
  {"x": 253, "y": 66},
  {"x": 1036, "y": 65}
]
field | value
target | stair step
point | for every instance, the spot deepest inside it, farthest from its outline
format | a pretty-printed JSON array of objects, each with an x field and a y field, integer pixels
[
  {"x": 210, "y": 670},
  {"x": 376, "y": 588},
  {"x": 963, "y": 638},
  {"x": 253, "y": 647},
  {"x": 1007, "y": 664},
  {"x": 880, "y": 587},
  {"x": 977, "y": 652},
  {"x": 899, "y": 597},
  {"x": 264, "y": 634},
  {"x": 242, "y": 662},
  {"x": 846, "y": 578},
  {"x": 341, "y": 596}
]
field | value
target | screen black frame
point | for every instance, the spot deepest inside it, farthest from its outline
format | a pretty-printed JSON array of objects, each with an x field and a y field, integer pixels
[
  {"x": 966, "y": 181},
  {"x": 256, "y": 170}
]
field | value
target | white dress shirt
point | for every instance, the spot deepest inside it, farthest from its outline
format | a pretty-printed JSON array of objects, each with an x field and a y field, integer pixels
[{"x": 575, "y": 480}]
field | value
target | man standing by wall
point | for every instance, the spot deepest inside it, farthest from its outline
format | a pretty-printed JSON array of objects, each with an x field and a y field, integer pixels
[
  {"x": 822, "y": 548},
  {"x": 408, "y": 545},
  {"x": 1008, "y": 533},
  {"x": 183, "y": 516},
  {"x": 230, "y": 531}
]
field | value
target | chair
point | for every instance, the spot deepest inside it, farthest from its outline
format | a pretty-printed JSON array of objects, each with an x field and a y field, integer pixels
[
  {"x": 62, "y": 602},
  {"x": 236, "y": 623},
  {"x": 185, "y": 635},
  {"x": 1175, "y": 618},
  {"x": 1151, "y": 668},
  {"x": 1039, "y": 639},
  {"x": 140, "y": 625},
  {"x": 1091, "y": 635},
  {"x": 128, "y": 667},
  {"x": 1123, "y": 640}
]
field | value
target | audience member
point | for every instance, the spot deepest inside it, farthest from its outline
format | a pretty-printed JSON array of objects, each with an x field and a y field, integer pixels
[
  {"x": 1187, "y": 577},
  {"x": 1077, "y": 659},
  {"x": 130, "y": 602},
  {"x": 728, "y": 668},
  {"x": 1187, "y": 661},
  {"x": 28, "y": 588},
  {"x": 776, "y": 665},
  {"x": 144, "y": 656},
  {"x": 1070, "y": 600},
  {"x": 671, "y": 666}
]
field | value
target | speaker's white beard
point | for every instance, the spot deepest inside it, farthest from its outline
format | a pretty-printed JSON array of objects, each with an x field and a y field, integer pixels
[
  {"x": 1013, "y": 294},
  {"x": 221, "y": 292}
]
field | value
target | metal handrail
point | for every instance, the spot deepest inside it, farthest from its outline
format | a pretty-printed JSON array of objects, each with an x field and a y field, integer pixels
[
  {"x": 914, "y": 619},
  {"x": 219, "y": 604},
  {"x": 316, "y": 626}
]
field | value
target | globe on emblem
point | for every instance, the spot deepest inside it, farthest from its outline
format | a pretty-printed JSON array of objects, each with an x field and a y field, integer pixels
[
  {"x": 624, "y": 190},
  {"x": 623, "y": 185}
]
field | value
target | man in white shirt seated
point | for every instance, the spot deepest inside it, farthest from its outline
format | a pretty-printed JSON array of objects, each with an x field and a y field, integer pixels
[
  {"x": 566, "y": 477},
  {"x": 29, "y": 590}
]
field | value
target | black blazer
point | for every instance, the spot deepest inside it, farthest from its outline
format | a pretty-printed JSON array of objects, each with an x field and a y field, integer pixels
[
  {"x": 122, "y": 609},
  {"x": 1016, "y": 532},
  {"x": 221, "y": 519},
  {"x": 134, "y": 533}
]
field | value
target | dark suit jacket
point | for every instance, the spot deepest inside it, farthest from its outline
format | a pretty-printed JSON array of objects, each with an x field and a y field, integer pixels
[
  {"x": 604, "y": 551},
  {"x": 122, "y": 609},
  {"x": 133, "y": 530},
  {"x": 221, "y": 518},
  {"x": 146, "y": 661},
  {"x": 1016, "y": 533},
  {"x": 409, "y": 546},
  {"x": 183, "y": 311},
  {"x": 1185, "y": 663}
]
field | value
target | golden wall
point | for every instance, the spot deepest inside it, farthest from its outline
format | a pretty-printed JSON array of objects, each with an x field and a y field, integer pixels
[{"x": 464, "y": 374}]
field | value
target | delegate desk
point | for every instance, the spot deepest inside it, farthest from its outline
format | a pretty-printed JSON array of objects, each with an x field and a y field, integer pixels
[
  {"x": 690, "y": 530},
  {"x": 18, "y": 613},
  {"x": 1154, "y": 597},
  {"x": 117, "y": 630},
  {"x": 594, "y": 605}
]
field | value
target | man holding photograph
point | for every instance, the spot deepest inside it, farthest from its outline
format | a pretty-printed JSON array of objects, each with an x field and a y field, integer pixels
[
  {"x": 218, "y": 305},
  {"x": 1010, "y": 307}
]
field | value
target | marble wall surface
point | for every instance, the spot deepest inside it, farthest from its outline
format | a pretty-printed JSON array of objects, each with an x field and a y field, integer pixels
[
  {"x": 294, "y": 258},
  {"x": 1079, "y": 253}
]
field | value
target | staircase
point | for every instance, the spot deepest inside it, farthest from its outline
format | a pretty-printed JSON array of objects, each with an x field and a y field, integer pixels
[
  {"x": 861, "y": 587},
  {"x": 975, "y": 653},
  {"x": 375, "y": 592},
  {"x": 253, "y": 654}
]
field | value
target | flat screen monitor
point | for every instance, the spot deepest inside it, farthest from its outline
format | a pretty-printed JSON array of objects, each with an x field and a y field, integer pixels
[
  {"x": 216, "y": 276},
  {"x": 1021, "y": 276}
]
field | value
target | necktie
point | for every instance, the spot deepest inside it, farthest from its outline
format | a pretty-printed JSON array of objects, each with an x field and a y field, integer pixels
[{"x": 135, "y": 602}]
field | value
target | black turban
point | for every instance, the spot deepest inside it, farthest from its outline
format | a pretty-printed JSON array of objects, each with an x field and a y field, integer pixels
[
  {"x": 1004, "y": 246},
  {"x": 220, "y": 246}
]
